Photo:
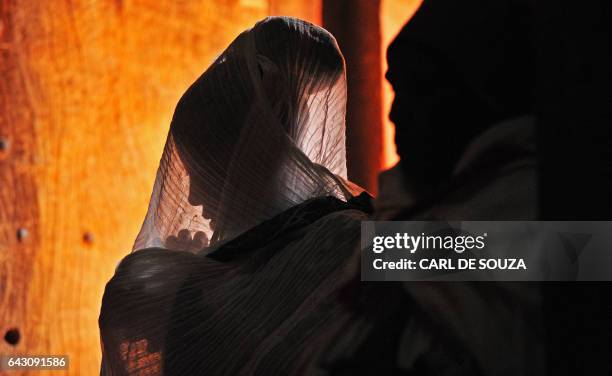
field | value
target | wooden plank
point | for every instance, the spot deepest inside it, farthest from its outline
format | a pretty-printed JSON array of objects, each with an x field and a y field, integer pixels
[
  {"x": 19, "y": 209},
  {"x": 356, "y": 26},
  {"x": 87, "y": 91}
]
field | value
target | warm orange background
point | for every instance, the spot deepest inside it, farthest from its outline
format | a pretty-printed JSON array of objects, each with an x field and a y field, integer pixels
[
  {"x": 393, "y": 15},
  {"x": 87, "y": 90}
]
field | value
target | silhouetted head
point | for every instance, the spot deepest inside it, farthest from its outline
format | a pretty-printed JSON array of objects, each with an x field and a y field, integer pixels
[
  {"x": 260, "y": 131},
  {"x": 457, "y": 68},
  {"x": 291, "y": 60}
]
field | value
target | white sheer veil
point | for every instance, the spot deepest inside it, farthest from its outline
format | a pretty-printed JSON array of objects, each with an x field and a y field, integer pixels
[{"x": 260, "y": 131}]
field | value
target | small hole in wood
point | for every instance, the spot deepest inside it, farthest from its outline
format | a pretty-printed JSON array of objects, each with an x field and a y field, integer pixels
[
  {"x": 12, "y": 336},
  {"x": 22, "y": 233},
  {"x": 88, "y": 237}
]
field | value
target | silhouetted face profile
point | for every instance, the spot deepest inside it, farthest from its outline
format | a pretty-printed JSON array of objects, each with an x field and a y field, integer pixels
[
  {"x": 456, "y": 68},
  {"x": 285, "y": 82},
  {"x": 260, "y": 131}
]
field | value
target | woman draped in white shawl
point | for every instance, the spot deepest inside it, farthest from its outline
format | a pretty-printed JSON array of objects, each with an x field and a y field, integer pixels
[{"x": 237, "y": 265}]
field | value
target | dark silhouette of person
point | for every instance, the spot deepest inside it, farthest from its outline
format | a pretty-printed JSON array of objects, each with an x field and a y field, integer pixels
[
  {"x": 251, "y": 219},
  {"x": 463, "y": 76},
  {"x": 457, "y": 69},
  {"x": 462, "y": 72}
]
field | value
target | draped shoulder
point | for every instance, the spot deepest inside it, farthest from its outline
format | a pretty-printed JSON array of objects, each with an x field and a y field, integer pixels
[
  {"x": 251, "y": 219},
  {"x": 268, "y": 304}
]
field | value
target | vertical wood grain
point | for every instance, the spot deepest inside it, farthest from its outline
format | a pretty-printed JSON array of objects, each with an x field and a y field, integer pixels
[
  {"x": 394, "y": 14},
  {"x": 356, "y": 25},
  {"x": 19, "y": 205},
  {"x": 87, "y": 91}
]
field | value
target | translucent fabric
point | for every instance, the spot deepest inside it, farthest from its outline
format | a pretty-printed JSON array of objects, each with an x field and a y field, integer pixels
[
  {"x": 271, "y": 309},
  {"x": 238, "y": 264},
  {"x": 262, "y": 130}
]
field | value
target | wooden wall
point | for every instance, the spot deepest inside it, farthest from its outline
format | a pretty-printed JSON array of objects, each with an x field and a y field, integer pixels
[
  {"x": 358, "y": 34},
  {"x": 394, "y": 15},
  {"x": 87, "y": 90}
]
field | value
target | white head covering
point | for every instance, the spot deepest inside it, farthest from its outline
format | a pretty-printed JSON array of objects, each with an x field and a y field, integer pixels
[{"x": 262, "y": 130}]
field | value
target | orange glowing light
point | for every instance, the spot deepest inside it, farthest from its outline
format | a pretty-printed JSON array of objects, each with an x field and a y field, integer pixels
[
  {"x": 393, "y": 15},
  {"x": 86, "y": 97}
]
